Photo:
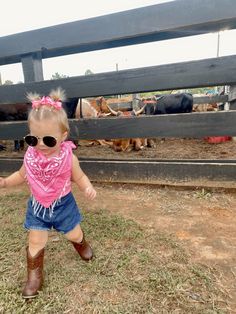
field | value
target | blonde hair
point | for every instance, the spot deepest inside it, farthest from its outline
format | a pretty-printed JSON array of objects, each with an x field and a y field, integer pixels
[{"x": 47, "y": 111}]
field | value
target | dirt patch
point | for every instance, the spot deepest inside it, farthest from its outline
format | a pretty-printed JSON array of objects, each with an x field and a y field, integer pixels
[
  {"x": 204, "y": 221},
  {"x": 169, "y": 148}
]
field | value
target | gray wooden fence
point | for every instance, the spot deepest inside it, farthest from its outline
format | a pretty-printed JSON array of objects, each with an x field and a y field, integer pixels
[{"x": 170, "y": 20}]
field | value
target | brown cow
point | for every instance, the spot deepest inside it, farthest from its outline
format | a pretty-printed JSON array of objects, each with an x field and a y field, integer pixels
[
  {"x": 92, "y": 108},
  {"x": 127, "y": 144},
  {"x": 204, "y": 107}
]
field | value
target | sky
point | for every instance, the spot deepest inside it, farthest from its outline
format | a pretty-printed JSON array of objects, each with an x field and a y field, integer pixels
[{"x": 28, "y": 15}]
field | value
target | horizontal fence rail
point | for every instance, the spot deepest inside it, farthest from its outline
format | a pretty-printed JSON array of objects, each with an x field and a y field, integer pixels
[
  {"x": 210, "y": 99},
  {"x": 208, "y": 72},
  {"x": 173, "y": 19},
  {"x": 197, "y": 124},
  {"x": 171, "y": 172}
]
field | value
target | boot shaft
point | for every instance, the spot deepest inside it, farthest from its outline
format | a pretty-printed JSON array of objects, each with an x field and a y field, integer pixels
[
  {"x": 34, "y": 274},
  {"x": 35, "y": 261}
]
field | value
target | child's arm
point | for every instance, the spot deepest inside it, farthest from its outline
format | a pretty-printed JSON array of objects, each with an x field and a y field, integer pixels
[
  {"x": 80, "y": 178},
  {"x": 15, "y": 178}
]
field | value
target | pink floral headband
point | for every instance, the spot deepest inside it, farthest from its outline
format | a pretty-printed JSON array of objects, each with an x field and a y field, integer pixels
[{"x": 46, "y": 101}]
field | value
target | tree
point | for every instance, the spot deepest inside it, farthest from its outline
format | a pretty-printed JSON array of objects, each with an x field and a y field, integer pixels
[
  {"x": 8, "y": 82},
  {"x": 88, "y": 72},
  {"x": 58, "y": 76}
]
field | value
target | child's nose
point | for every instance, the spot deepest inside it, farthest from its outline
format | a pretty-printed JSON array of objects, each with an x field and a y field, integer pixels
[{"x": 40, "y": 141}]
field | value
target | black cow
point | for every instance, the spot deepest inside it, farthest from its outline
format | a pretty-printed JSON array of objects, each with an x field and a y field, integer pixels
[
  {"x": 15, "y": 112},
  {"x": 169, "y": 103},
  {"x": 70, "y": 106},
  {"x": 2, "y": 147}
]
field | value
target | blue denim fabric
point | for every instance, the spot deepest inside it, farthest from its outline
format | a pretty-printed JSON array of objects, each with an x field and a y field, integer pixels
[{"x": 64, "y": 217}]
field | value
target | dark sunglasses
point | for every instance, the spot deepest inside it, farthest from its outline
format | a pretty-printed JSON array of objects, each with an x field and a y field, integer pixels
[{"x": 32, "y": 140}]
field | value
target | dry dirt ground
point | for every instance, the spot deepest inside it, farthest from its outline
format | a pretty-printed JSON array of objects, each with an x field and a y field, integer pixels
[
  {"x": 203, "y": 220},
  {"x": 169, "y": 148}
]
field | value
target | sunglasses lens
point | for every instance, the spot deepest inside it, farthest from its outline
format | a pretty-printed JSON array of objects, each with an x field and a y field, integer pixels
[
  {"x": 49, "y": 141},
  {"x": 31, "y": 140}
]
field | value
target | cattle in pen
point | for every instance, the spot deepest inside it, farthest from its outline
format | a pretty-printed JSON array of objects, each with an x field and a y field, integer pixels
[
  {"x": 168, "y": 104},
  {"x": 204, "y": 107},
  {"x": 128, "y": 144},
  {"x": 15, "y": 112},
  {"x": 92, "y": 108}
]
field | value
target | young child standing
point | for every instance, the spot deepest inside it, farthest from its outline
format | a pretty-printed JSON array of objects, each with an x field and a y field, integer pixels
[{"x": 49, "y": 167}]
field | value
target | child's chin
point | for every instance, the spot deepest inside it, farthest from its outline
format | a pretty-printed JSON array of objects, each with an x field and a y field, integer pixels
[{"x": 46, "y": 153}]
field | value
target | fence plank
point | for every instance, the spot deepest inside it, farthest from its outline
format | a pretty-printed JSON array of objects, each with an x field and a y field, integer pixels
[
  {"x": 173, "y": 19},
  {"x": 208, "y": 72},
  {"x": 197, "y": 125},
  {"x": 198, "y": 173}
]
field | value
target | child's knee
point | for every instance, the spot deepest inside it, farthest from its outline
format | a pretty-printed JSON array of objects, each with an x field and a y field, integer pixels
[
  {"x": 75, "y": 235},
  {"x": 38, "y": 238}
]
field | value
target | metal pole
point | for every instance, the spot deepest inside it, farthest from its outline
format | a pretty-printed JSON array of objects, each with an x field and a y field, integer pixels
[
  {"x": 217, "y": 55},
  {"x": 218, "y": 45}
]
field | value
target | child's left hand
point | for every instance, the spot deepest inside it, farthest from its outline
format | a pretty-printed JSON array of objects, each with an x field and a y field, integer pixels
[{"x": 90, "y": 193}]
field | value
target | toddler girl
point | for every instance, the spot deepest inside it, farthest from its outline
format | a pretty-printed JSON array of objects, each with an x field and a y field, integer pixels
[{"x": 49, "y": 167}]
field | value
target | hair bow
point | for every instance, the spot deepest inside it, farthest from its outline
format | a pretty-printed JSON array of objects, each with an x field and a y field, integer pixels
[{"x": 48, "y": 101}]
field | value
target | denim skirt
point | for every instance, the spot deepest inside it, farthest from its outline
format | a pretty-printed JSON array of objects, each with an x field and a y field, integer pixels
[{"x": 63, "y": 215}]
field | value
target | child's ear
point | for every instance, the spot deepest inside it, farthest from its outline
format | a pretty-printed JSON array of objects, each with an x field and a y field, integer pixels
[{"x": 64, "y": 135}]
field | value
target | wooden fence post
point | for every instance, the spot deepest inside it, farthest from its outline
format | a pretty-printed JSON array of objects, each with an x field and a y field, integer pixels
[
  {"x": 135, "y": 102},
  {"x": 32, "y": 68},
  {"x": 232, "y": 97}
]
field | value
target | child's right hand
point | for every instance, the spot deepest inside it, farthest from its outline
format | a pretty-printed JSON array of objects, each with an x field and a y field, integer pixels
[
  {"x": 2, "y": 182},
  {"x": 90, "y": 193}
]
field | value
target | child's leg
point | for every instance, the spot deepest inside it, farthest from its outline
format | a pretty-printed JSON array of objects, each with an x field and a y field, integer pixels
[
  {"x": 35, "y": 257},
  {"x": 76, "y": 236},
  {"x": 37, "y": 241}
]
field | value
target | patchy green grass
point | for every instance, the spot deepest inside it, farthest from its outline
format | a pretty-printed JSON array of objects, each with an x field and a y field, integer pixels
[{"x": 134, "y": 271}]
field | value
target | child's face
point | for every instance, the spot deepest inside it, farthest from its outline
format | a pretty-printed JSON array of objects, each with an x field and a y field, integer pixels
[{"x": 44, "y": 128}]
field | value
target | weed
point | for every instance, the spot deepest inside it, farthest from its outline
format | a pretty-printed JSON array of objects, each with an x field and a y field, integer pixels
[{"x": 204, "y": 194}]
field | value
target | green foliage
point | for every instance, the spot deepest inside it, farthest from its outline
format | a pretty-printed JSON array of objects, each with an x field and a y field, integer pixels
[
  {"x": 8, "y": 82},
  {"x": 88, "y": 72},
  {"x": 58, "y": 76},
  {"x": 203, "y": 194}
]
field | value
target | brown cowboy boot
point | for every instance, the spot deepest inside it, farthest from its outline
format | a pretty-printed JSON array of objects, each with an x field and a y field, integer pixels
[
  {"x": 84, "y": 249},
  {"x": 35, "y": 274}
]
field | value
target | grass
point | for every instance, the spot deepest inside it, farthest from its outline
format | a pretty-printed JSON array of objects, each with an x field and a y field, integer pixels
[
  {"x": 203, "y": 194},
  {"x": 134, "y": 271}
]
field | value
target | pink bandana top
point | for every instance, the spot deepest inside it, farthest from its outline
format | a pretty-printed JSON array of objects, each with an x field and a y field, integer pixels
[{"x": 49, "y": 178}]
